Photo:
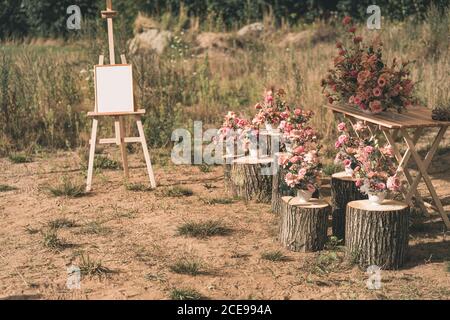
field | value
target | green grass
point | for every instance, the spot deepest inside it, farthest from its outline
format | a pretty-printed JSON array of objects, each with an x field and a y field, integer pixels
[
  {"x": 204, "y": 168},
  {"x": 94, "y": 227},
  {"x": 326, "y": 262},
  {"x": 187, "y": 266},
  {"x": 204, "y": 229},
  {"x": 6, "y": 188},
  {"x": 20, "y": 158},
  {"x": 334, "y": 244},
  {"x": 177, "y": 191},
  {"x": 275, "y": 256},
  {"x": 68, "y": 188},
  {"x": 214, "y": 201},
  {"x": 185, "y": 294},
  {"x": 89, "y": 267},
  {"x": 330, "y": 169},
  {"x": 51, "y": 240},
  {"x": 61, "y": 223},
  {"x": 104, "y": 162},
  {"x": 137, "y": 187}
]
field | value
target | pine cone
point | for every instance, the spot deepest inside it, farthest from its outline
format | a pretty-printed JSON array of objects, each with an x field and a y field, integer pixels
[{"x": 441, "y": 114}]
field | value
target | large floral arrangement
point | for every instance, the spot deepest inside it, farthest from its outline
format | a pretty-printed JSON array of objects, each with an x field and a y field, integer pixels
[
  {"x": 361, "y": 78},
  {"x": 303, "y": 169},
  {"x": 376, "y": 171}
]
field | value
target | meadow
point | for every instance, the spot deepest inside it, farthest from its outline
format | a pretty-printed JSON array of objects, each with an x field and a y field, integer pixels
[{"x": 46, "y": 86}]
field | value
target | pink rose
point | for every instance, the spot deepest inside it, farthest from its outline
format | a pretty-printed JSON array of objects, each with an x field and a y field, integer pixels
[
  {"x": 337, "y": 144},
  {"x": 299, "y": 150},
  {"x": 347, "y": 163},
  {"x": 342, "y": 126},
  {"x": 298, "y": 112},
  {"x": 359, "y": 183},
  {"x": 368, "y": 149},
  {"x": 381, "y": 186},
  {"x": 343, "y": 139},
  {"x": 290, "y": 179},
  {"x": 393, "y": 183}
]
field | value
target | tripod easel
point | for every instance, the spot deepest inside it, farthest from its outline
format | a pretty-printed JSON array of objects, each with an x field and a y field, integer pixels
[{"x": 119, "y": 127}]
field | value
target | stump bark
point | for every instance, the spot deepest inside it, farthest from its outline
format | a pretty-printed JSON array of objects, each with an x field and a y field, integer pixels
[
  {"x": 251, "y": 178},
  {"x": 377, "y": 234},
  {"x": 227, "y": 166},
  {"x": 343, "y": 191},
  {"x": 266, "y": 140},
  {"x": 303, "y": 227},
  {"x": 279, "y": 187}
]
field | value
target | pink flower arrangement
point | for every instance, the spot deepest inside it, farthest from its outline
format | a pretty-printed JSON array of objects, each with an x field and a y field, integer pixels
[
  {"x": 376, "y": 170},
  {"x": 271, "y": 108},
  {"x": 347, "y": 145},
  {"x": 303, "y": 169},
  {"x": 231, "y": 125},
  {"x": 361, "y": 78}
]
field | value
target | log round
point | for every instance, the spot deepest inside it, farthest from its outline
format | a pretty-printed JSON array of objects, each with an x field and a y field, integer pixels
[
  {"x": 227, "y": 166},
  {"x": 377, "y": 234},
  {"x": 343, "y": 191},
  {"x": 251, "y": 178},
  {"x": 279, "y": 187},
  {"x": 303, "y": 227}
]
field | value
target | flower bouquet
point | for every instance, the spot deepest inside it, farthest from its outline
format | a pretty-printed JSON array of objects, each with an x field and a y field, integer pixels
[
  {"x": 303, "y": 171},
  {"x": 376, "y": 172},
  {"x": 362, "y": 79},
  {"x": 269, "y": 111},
  {"x": 347, "y": 145},
  {"x": 230, "y": 131}
]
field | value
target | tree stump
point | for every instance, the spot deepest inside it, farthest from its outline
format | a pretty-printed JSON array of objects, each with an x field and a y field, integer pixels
[
  {"x": 343, "y": 191},
  {"x": 279, "y": 187},
  {"x": 252, "y": 178},
  {"x": 227, "y": 166},
  {"x": 377, "y": 234},
  {"x": 303, "y": 226}
]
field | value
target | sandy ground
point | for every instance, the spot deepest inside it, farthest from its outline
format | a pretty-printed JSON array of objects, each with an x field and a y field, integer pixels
[{"x": 135, "y": 236}]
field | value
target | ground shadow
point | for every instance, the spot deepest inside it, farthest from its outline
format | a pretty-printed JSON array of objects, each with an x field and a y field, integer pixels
[{"x": 430, "y": 252}]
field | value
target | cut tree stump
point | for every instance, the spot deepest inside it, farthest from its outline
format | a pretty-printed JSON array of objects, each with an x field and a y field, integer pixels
[
  {"x": 303, "y": 226},
  {"x": 377, "y": 234},
  {"x": 251, "y": 178},
  {"x": 279, "y": 187},
  {"x": 343, "y": 191},
  {"x": 227, "y": 165}
]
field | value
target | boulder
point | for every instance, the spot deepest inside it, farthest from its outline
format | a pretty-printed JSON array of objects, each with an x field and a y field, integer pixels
[
  {"x": 151, "y": 39},
  {"x": 251, "y": 30},
  {"x": 208, "y": 41}
]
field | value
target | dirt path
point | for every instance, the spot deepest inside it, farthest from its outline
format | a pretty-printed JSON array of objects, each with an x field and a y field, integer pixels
[{"x": 134, "y": 234}]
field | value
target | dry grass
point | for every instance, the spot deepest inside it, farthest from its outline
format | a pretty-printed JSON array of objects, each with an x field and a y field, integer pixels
[{"x": 204, "y": 229}]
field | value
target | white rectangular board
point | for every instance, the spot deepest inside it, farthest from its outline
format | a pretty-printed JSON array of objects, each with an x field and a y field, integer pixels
[{"x": 114, "y": 89}]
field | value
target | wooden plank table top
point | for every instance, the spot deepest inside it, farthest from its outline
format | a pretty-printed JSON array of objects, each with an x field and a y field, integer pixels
[{"x": 413, "y": 117}]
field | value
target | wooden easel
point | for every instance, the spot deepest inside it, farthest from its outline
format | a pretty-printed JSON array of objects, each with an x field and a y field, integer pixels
[{"x": 119, "y": 138}]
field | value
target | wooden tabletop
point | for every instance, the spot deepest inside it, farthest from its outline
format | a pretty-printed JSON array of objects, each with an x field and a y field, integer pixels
[
  {"x": 311, "y": 204},
  {"x": 251, "y": 160},
  {"x": 386, "y": 205},
  {"x": 413, "y": 117}
]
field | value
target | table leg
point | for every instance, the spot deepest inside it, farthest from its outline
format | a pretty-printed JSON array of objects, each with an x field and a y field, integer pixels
[
  {"x": 423, "y": 166},
  {"x": 402, "y": 165}
]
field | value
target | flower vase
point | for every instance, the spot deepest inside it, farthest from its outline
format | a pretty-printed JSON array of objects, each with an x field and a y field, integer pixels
[
  {"x": 349, "y": 171},
  {"x": 376, "y": 198},
  {"x": 269, "y": 127},
  {"x": 288, "y": 146},
  {"x": 304, "y": 196}
]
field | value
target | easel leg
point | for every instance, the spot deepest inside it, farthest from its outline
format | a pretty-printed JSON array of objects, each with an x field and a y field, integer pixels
[
  {"x": 146, "y": 153},
  {"x": 120, "y": 136},
  {"x": 93, "y": 142}
]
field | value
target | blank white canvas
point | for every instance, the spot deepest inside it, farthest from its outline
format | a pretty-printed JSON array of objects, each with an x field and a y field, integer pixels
[{"x": 114, "y": 89}]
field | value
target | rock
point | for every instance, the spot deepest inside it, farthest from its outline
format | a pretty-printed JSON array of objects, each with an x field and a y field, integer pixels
[
  {"x": 213, "y": 41},
  {"x": 152, "y": 39},
  {"x": 251, "y": 30}
]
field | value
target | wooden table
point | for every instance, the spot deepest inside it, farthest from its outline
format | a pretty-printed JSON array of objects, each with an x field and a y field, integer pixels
[{"x": 394, "y": 125}]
